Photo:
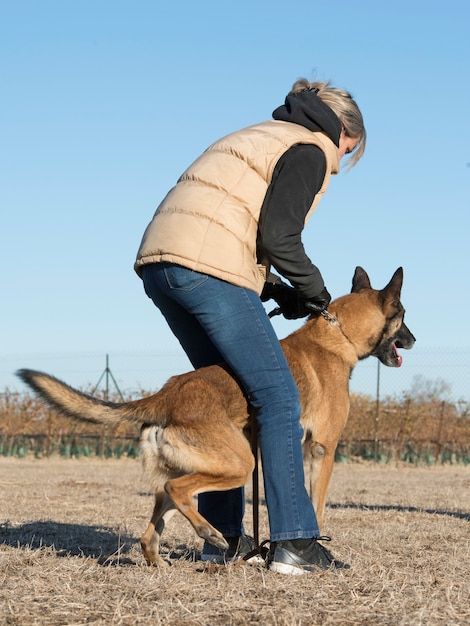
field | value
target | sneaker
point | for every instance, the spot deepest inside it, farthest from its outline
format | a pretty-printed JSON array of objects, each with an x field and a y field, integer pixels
[
  {"x": 243, "y": 547},
  {"x": 299, "y": 556}
]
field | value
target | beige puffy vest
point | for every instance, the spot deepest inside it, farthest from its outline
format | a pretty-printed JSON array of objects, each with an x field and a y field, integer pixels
[{"x": 208, "y": 222}]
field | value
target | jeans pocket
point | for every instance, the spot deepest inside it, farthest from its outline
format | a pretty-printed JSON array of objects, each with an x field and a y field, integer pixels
[{"x": 182, "y": 278}]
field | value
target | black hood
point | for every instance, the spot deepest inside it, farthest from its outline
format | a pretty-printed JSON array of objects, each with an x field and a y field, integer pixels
[{"x": 307, "y": 109}]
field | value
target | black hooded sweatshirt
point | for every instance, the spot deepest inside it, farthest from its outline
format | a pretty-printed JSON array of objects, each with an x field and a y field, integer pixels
[{"x": 297, "y": 178}]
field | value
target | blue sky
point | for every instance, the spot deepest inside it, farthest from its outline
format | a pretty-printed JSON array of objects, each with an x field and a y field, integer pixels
[{"x": 104, "y": 104}]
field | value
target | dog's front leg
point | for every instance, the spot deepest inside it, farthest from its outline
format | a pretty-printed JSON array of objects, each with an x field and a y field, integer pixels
[
  {"x": 322, "y": 462},
  {"x": 150, "y": 540}
]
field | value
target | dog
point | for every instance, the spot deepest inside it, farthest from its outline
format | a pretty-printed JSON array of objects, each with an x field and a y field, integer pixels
[{"x": 194, "y": 429}]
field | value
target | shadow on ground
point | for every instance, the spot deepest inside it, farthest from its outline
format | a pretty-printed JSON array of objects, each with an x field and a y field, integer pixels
[
  {"x": 111, "y": 547},
  {"x": 392, "y": 507},
  {"x": 386, "y": 507},
  {"x": 106, "y": 545}
]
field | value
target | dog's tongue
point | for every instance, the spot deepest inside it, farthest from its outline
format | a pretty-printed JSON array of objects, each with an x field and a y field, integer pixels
[{"x": 399, "y": 357}]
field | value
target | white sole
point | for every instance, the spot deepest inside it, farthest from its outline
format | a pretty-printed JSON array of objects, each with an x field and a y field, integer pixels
[
  {"x": 283, "y": 568},
  {"x": 257, "y": 559}
]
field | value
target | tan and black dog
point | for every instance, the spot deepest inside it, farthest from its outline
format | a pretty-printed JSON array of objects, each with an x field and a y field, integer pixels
[{"x": 193, "y": 430}]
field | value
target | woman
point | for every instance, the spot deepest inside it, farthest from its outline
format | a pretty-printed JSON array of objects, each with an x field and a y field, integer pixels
[{"x": 205, "y": 259}]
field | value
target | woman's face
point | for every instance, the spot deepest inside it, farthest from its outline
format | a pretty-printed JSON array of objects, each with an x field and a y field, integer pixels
[{"x": 346, "y": 145}]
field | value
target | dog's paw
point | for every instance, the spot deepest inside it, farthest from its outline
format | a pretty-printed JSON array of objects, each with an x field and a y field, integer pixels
[
  {"x": 219, "y": 542},
  {"x": 156, "y": 561},
  {"x": 214, "y": 537}
]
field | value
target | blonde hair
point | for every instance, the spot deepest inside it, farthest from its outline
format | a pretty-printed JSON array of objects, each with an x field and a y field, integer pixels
[{"x": 344, "y": 106}]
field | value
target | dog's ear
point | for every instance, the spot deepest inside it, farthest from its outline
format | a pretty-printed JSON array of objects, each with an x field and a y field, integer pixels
[
  {"x": 360, "y": 280},
  {"x": 392, "y": 291}
]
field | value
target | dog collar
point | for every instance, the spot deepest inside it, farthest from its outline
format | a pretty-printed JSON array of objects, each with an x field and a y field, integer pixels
[{"x": 331, "y": 319}]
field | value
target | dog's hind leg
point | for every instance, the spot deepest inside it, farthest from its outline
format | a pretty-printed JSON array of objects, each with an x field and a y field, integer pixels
[
  {"x": 182, "y": 489},
  {"x": 163, "y": 510}
]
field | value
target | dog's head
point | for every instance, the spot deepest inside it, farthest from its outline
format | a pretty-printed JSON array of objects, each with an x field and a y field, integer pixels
[{"x": 374, "y": 319}]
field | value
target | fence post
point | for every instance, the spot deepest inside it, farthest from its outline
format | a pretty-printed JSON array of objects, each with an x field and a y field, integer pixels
[
  {"x": 439, "y": 430},
  {"x": 377, "y": 415}
]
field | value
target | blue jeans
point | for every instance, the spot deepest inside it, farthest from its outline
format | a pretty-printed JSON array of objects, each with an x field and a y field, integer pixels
[{"x": 216, "y": 321}]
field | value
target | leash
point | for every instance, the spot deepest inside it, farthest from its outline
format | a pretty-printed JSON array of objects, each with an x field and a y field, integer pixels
[
  {"x": 255, "y": 481},
  {"x": 260, "y": 549}
]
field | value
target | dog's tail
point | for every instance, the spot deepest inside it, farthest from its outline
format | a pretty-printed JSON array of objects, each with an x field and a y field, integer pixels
[{"x": 78, "y": 405}]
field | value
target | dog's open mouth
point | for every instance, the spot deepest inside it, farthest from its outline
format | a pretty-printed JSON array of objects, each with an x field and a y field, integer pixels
[
  {"x": 397, "y": 357},
  {"x": 388, "y": 354}
]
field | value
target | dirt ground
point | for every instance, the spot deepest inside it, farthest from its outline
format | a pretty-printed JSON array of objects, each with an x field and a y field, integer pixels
[{"x": 70, "y": 554}]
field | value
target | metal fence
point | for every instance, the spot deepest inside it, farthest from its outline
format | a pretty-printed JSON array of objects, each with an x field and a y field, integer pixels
[
  {"x": 444, "y": 370},
  {"x": 440, "y": 374}
]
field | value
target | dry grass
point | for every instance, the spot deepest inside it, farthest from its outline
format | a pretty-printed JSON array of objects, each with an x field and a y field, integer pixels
[{"x": 69, "y": 553}]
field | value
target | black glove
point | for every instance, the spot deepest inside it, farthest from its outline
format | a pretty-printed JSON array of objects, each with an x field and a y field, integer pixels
[
  {"x": 291, "y": 303},
  {"x": 319, "y": 303},
  {"x": 272, "y": 287}
]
